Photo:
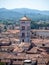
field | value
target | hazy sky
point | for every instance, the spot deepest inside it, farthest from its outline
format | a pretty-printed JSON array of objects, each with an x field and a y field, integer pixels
[{"x": 32, "y": 4}]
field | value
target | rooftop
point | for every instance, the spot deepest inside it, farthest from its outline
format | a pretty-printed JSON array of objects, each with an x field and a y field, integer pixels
[{"x": 25, "y": 19}]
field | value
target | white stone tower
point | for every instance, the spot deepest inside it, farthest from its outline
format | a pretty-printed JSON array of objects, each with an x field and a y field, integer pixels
[{"x": 25, "y": 29}]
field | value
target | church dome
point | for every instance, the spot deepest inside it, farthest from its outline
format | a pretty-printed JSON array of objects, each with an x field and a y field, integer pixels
[{"x": 25, "y": 19}]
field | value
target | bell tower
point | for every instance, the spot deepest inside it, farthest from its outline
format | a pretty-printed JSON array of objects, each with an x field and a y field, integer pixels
[{"x": 25, "y": 29}]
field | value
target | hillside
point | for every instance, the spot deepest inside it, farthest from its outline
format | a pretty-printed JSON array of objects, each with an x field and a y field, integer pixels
[{"x": 16, "y": 14}]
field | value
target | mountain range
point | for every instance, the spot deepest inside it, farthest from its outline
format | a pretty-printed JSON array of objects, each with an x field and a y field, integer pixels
[{"x": 16, "y": 14}]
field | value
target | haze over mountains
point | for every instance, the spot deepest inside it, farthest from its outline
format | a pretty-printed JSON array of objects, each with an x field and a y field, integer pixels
[{"x": 16, "y": 14}]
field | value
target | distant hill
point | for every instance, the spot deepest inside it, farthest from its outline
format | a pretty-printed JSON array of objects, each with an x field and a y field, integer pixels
[{"x": 16, "y": 14}]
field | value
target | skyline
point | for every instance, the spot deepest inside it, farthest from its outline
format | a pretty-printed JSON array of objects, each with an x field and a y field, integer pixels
[{"x": 31, "y": 4}]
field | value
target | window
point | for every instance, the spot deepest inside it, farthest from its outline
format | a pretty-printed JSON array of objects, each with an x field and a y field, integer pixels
[
  {"x": 28, "y": 28},
  {"x": 23, "y": 40},
  {"x": 23, "y": 22},
  {"x": 43, "y": 44},
  {"x": 28, "y": 34},
  {"x": 23, "y": 34},
  {"x": 32, "y": 33},
  {"x": 23, "y": 27}
]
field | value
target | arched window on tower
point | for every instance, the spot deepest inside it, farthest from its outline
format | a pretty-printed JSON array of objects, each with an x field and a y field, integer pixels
[
  {"x": 23, "y": 27},
  {"x": 23, "y": 34},
  {"x": 22, "y": 40}
]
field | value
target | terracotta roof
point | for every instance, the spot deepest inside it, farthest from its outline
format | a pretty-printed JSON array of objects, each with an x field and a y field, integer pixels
[
  {"x": 7, "y": 47},
  {"x": 39, "y": 42},
  {"x": 39, "y": 30},
  {"x": 32, "y": 56},
  {"x": 14, "y": 39},
  {"x": 33, "y": 50},
  {"x": 4, "y": 55},
  {"x": 18, "y": 62},
  {"x": 3, "y": 60},
  {"x": 12, "y": 56},
  {"x": 4, "y": 39},
  {"x": 24, "y": 44},
  {"x": 13, "y": 31},
  {"x": 18, "y": 49}
]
